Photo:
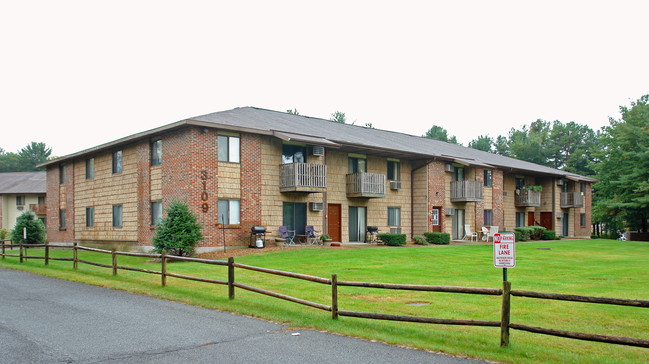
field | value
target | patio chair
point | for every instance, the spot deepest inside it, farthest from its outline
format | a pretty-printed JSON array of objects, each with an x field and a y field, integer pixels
[
  {"x": 468, "y": 235},
  {"x": 485, "y": 234},
  {"x": 493, "y": 230},
  {"x": 312, "y": 235},
  {"x": 287, "y": 235}
]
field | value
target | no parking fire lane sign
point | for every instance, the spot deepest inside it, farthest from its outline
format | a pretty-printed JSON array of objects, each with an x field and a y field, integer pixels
[{"x": 504, "y": 250}]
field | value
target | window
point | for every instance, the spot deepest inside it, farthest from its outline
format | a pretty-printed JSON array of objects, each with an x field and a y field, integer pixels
[
  {"x": 62, "y": 218},
  {"x": 156, "y": 212},
  {"x": 520, "y": 182},
  {"x": 394, "y": 170},
  {"x": 90, "y": 217},
  {"x": 156, "y": 153},
  {"x": 294, "y": 216},
  {"x": 435, "y": 217},
  {"x": 394, "y": 216},
  {"x": 228, "y": 148},
  {"x": 583, "y": 188},
  {"x": 487, "y": 178},
  {"x": 520, "y": 219},
  {"x": 357, "y": 164},
  {"x": 117, "y": 162},
  {"x": 117, "y": 215},
  {"x": 90, "y": 168},
  {"x": 61, "y": 174},
  {"x": 458, "y": 174},
  {"x": 229, "y": 212},
  {"x": 488, "y": 218},
  {"x": 41, "y": 200},
  {"x": 293, "y": 154},
  {"x": 20, "y": 200},
  {"x": 582, "y": 220}
]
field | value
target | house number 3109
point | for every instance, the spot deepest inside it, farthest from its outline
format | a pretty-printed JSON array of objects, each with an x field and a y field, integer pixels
[{"x": 205, "y": 206}]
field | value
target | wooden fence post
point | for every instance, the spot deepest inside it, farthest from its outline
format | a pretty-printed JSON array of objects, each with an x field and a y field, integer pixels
[
  {"x": 21, "y": 251},
  {"x": 334, "y": 296},
  {"x": 114, "y": 253},
  {"x": 163, "y": 256},
  {"x": 504, "y": 323},
  {"x": 3, "y": 250},
  {"x": 75, "y": 264},
  {"x": 231, "y": 278},
  {"x": 47, "y": 253}
]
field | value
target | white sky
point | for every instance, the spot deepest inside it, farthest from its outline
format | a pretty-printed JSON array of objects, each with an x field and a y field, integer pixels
[{"x": 75, "y": 74}]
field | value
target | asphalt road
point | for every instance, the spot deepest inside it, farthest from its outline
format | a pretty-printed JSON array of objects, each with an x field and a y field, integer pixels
[{"x": 47, "y": 320}]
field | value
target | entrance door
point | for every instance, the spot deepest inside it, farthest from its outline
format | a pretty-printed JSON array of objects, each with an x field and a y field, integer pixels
[
  {"x": 357, "y": 223},
  {"x": 436, "y": 218},
  {"x": 458, "y": 225},
  {"x": 546, "y": 220},
  {"x": 530, "y": 218},
  {"x": 333, "y": 222},
  {"x": 294, "y": 216}
]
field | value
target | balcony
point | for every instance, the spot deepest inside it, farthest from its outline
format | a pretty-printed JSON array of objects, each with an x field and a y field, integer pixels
[
  {"x": 527, "y": 198},
  {"x": 367, "y": 185},
  {"x": 571, "y": 200},
  {"x": 303, "y": 177},
  {"x": 466, "y": 191},
  {"x": 39, "y": 209}
]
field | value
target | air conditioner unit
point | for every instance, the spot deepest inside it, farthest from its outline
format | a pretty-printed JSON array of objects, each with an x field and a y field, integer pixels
[
  {"x": 318, "y": 150},
  {"x": 395, "y": 185},
  {"x": 20, "y": 207},
  {"x": 449, "y": 168},
  {"x": 395, "y": 230},
  {"x": 560, "y": 182},
  {"x": 316, "y": 206},
  {"x": 450, "y": 211}
]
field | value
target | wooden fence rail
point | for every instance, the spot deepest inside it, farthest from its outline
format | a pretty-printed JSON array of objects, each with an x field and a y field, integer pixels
[{"x": 506, "y": 293}]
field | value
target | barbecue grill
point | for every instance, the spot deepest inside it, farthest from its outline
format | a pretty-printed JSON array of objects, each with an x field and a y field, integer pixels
[
  {"x": 370, "y": 237},
  {"x": 257, "y": 233}
]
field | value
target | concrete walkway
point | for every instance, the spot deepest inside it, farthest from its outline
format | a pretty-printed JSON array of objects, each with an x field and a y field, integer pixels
[{"x": 47, "y": 320}]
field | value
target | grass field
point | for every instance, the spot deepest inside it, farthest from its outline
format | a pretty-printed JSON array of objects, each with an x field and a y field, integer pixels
[{"x": 605, "y": 268}]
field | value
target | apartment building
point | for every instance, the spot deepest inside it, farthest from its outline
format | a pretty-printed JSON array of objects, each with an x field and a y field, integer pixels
[
  {"x": 248, "y": 166},
  {"x": 20, "y": 192}
]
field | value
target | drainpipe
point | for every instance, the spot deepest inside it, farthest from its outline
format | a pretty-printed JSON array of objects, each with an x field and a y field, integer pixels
[{"x": 325, "y": 206}]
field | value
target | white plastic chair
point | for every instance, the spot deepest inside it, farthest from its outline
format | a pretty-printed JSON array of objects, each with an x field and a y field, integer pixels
[
  {"x": 493, "y": 230},
  {"x": 485, "y": 234},
  {"x": 468, "y": 235}
]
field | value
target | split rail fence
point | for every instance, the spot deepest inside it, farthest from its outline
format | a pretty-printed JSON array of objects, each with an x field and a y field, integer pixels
[{"x": 506, "y": 292}]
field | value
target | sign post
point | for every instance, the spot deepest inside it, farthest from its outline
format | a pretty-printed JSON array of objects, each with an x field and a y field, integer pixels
[{"x": 505, "y": 252}]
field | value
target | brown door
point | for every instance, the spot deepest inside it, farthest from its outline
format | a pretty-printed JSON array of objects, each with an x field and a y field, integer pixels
[
  {"x": 546, "y": 220},
  {"x": 334, "y": 221},
  {"x": 436, "y": 219},
  {"x": 530, "y": 218}
]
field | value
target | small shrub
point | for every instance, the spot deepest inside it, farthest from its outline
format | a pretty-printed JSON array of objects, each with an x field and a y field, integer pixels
[
  {"x": 537, "y": 232},
  {"x": 525, "y": 233},
  {"x": 392, "y": 239},
  {"x": 549, "y": 235},
  {"x": 420, "y": 240},
  {"x": 35, "y": 229},
  {"x": 438, "y": 238},
  {"x": 4, "y": 234},
  {"x": 179, "y": 232}
]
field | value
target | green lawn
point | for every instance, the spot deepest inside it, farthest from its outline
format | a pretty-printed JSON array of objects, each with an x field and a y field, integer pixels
[{"x": 606, "y": 268}]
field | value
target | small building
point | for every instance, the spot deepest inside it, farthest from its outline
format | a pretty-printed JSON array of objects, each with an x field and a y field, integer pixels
[
  {"x": 19, "y": 192},
  {"x": 248, "y": 166}
]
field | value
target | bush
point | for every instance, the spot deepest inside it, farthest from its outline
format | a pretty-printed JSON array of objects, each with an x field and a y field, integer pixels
[
  {"x": 4, "y": 234},
  {"x": 537, "y": 232},
  {"x": 178, "y": 233},
  {"x": 420, "y": 240},
  {"x": 549, "y": 235},
  {"x": 525, "y": 233},
  {"x": 517, "y": 234},
  {"x": 35, "y": 229},
  {"x": 392, "y": 239},
  {"x": 438, "y": 238}
]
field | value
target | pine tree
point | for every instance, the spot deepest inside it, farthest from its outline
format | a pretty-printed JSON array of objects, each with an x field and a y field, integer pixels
[
  {"x": 35, "y": 229},
  {"x": 179, "y": 232}
]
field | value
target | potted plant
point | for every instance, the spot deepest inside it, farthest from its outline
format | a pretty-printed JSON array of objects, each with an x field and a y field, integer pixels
[{"x": 324, "y": 238}]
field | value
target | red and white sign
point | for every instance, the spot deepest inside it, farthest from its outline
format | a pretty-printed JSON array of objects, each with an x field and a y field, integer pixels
[{"x": 504, "y": 250}]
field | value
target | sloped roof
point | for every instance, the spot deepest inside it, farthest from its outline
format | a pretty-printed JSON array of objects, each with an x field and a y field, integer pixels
[
  {"x": 330, "y": 134},
  {"x": 23, "y": 182}
]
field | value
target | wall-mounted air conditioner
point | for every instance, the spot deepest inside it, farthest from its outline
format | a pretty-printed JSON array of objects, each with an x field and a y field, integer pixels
[
  {"x": 395, "y": 230},
  {"x": 450, "y": 211},
  {"x": 395, "y": 185},
  {"x": 560, "y": 182},
  {"x": 20, "y": 207},
  {"x": 318, "y": 150},
  {"x": 449, "y": 168},
  {"x": 316, "y": 206}
]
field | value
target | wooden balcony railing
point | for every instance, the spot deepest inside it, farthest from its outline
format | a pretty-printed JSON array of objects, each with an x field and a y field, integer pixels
[
  {"x": 365, "y": 185},
  {"x": 528, "y": 198},
  {"x": 39, "y": 209},
  {"x": 571, "y": 200},
  {"x": 466, "y": 191},
  {"x": 303, "y": 177}
]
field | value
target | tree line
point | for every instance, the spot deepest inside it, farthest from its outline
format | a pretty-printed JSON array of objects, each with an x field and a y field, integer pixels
[{"x": 26, "y": 159}]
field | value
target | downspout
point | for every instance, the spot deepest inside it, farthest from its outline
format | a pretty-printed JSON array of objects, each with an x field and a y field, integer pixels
[
  {"x": 412, "y": 197},
  {"x": 325, "y": 206}
]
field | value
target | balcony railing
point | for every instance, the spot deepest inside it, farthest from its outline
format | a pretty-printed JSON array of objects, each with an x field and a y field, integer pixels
[
  {"x": 528, "y": 198},
  {"x": 303, "y": 177},
  {"x": 571, "y": 200},
  {"x": 365, "y": 185},
  {"x": 466, "y": 191},
  {"x": 39, "y": 209}
]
